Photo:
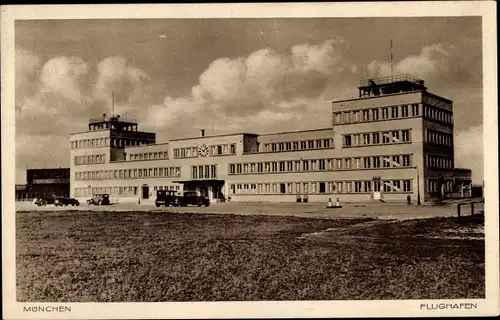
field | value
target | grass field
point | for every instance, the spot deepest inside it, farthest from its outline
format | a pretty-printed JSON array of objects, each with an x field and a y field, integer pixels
[{"x": 138, "y": 256}]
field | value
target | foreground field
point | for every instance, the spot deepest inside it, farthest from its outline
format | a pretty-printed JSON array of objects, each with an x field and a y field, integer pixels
[{"x": 83, "y": 256}]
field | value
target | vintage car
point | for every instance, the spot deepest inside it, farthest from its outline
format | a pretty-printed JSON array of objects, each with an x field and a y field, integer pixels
[
  {"x": 165, "y": 198},
  {"x": 99, "y": 199},
  {"x": 65, "y": 201},
  {"x": 191, "y": 198},
  {"x": 44, "y": 201}
]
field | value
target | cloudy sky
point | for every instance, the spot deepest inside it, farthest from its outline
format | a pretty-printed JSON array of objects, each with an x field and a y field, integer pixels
[{"x": 176, "y": 76}]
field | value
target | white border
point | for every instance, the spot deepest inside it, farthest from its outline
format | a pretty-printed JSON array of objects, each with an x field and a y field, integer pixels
[{"x": 288, "y": 309}]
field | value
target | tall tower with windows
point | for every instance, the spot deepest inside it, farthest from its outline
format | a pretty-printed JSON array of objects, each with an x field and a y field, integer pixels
[
  {"x": 397, "y": 124},
  {"x": 104, "y": 142}
]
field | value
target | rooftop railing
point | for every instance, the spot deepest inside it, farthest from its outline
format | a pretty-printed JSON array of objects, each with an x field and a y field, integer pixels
[
  {"x": 107, "y": 118},
  {"x": 390, "y": 79}
]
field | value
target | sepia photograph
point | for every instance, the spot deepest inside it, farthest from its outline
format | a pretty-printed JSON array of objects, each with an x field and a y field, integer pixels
[{"x": 249, "y": 160}]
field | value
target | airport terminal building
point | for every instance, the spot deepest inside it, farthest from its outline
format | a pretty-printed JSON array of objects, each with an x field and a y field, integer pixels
[{"x": 395, "y": 140}]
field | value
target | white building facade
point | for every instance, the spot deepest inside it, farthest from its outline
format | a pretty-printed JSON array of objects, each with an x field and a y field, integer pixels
[{"x": 394, "y": 141}]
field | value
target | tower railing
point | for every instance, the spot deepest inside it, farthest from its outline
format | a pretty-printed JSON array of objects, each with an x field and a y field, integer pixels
[{"x": 390, "y": 79}]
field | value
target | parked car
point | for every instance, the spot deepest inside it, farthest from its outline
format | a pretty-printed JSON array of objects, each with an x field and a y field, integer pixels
[
  {"x": 66, "y": 201},
  {"x": 44, "y": 201},
  {"x": 99, "y": 199},
  {"x": 189, "y": 197},
  {"x": 165, "y": 198}
]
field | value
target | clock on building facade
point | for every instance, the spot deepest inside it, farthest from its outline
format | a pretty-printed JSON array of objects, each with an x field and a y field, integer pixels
[{"x": 203, "y": 151}]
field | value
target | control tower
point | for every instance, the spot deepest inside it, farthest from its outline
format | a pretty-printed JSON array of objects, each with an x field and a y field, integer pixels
[
  {"x": 390, "y": 85},
  {"x": 105, "y": 141}
]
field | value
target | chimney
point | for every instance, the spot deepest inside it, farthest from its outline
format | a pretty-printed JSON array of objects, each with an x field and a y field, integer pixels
[{"x": 202, "y": 132}]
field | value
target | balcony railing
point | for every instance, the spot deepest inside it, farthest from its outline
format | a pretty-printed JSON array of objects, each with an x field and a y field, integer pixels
[
  {"x": 390, "y": 79},
  {"x": 107, "y": 118}
]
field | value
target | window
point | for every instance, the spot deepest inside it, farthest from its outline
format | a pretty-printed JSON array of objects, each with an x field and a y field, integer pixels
[
  {"x": 357, "y": 186},
  {"x": 231, "y": 168},
  {"x": 406, "y": 185},
  {"x": 238, "y": 168},
  {"x": 340, "y": 187},
  {"x": 376, "y": 137},
  {"x": 386, "y": 162},
  {"x": 405, "y": 135},
  {"x": 366, "y": 115},
  {"x": 404, "y": 111},
  {"x": 394, "y": 112},
  {"x": 303, "y": 145},
  {"x": 326, "y": 143},
  {"x": 395, "y": 136},
  {"x": 322, "y": 164},
  {"x": 347, "y": 117},
  {"x": 348, "y": 163},
  {"x": 347, "y": 141},
  {"x": 375, "y": 114},
  {"x": 406, "y": 160},
  {"x": 414, "y": 109},
  {"x": 366, "y": 138},
  {"x": 395, "y": 161},
  {"x": 282, "y": 188},
  {"x": 213, "y": 171},
  {"x": 322, "y": 188},
  {"x": 259, "y": 167},
  {"x": 310, "y": 144},
  {"x": 368, "y": 186},
  {"x": 387, "y": 186},
  {"x": 305, "y": 165},
  {"x": 367, "y": 162},
  {"x": 385, "y": 113},
  {"x": 396, "y": 185},
  {"x": 385, "y": 137}
]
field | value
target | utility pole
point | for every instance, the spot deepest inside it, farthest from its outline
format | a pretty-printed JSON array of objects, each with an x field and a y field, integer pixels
[{"x": 418, "y": 187}]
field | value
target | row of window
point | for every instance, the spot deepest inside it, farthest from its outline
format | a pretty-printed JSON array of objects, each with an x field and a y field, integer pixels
[
  {"x": 148, "y": 156},
  {"x": 437, "y": 161},
  {"x": 438, "y": 114},
  {"x": 373, "y": 138},
  {"x": 389, "y": 161},
  {"x": 129, "y": 173},
  {"x": 204, "y": 172},
  {"x": 375, "y": 114},
  {"x": 432, "y": 185},
  {"x": 107, "y": 142},
  {"x": 329, "y": 187},
  {"x": 298, "y": 145},
  {"x": 191, "y": 152},
  {"x": 174, "y": 188},
  {"x": 90, "y": 159},
  {"x": 438, "y": 137},
  {"x": 112, "y": 191},
  {"x": 223, "y": 149}
]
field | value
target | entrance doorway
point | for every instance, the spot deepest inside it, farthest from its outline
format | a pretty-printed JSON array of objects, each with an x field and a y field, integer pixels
[{"x": 145, "y": 192}]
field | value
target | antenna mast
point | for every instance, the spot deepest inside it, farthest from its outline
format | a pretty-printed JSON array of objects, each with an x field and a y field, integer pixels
[
  {"x": 392, "y": 63},
  {"x": 113, "y": 104}
]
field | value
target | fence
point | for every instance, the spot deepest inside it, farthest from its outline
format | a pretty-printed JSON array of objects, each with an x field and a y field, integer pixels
[{"x": 474, "y": 207}]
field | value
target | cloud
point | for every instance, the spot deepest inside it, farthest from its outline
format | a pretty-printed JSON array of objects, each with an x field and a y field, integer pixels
[
  {"x": 27, "y": 69},
  {"x": 262, "y": 88},
  {"x": 64, "y": 75},
  {"x": 115, "y": 74},
  {"x": 469, "y": 151},
  {"x": 431, "y": 60}
]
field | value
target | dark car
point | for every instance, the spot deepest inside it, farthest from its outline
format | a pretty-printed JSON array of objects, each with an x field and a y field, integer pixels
[
  {"x": 99, "y": 199},
  {"x": 165, "y": 198},
  {"x": 192, "y": 198},
  {"x": 44, "y": 201},
  {"x": 65, "y": 201}
]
